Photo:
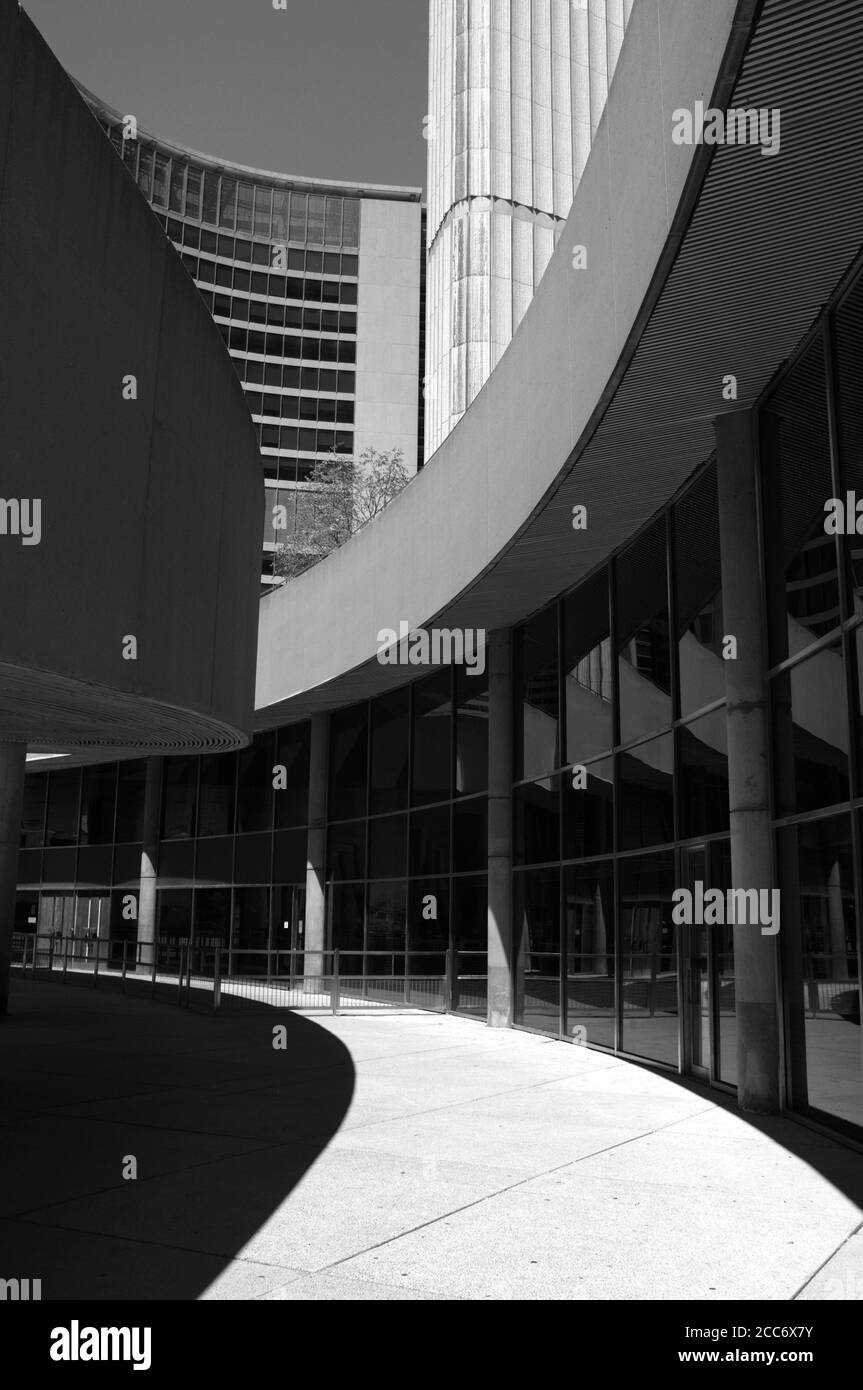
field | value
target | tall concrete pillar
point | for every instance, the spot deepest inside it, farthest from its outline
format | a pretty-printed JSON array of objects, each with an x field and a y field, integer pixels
[
  {"x": 316, "y": 916},
  {"x": 13, "y": 757},
  {"x": 149, "y": 862},
  {"x": 500, "y": 953},
  {"x": 756, "y": 969}
]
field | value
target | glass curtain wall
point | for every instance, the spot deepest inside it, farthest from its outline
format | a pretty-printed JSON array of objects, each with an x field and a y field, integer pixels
[
  {"x": 232, "y": 853},
  {"x": 622, "y": 786},
  {"x": 407, "y": 861},
  {"x": 812, "y": 447}
]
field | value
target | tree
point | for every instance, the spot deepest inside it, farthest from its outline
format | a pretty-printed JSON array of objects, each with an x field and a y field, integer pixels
[{"x": 342, "y": 496}]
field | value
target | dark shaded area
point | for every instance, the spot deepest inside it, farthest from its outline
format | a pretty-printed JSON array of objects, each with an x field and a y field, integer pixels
[{"x": 222, "y": 1125}]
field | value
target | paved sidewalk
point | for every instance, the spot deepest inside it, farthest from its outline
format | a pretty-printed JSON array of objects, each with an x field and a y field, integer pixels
[{"x": 404, "y": 1156}]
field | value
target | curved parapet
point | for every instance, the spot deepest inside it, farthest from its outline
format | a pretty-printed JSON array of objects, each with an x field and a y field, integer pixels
[
  {"x": 130, "y": 481},
  {"x": 682, "y": 266}
]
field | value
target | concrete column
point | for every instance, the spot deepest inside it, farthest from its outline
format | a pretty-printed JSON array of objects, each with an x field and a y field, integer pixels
[
  {"x": 316, "y": 916},
  {"x": 500, "y": 954},
  {"x": 759, "y": 1035},
  {"x": 149, "y": 862},
  {"x": 13, "y": 757}
]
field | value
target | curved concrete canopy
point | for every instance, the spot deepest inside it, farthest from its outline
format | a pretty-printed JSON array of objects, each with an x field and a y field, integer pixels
[
  {"x": 701, "y": 261},
  {"x": 149, "y": 496}
]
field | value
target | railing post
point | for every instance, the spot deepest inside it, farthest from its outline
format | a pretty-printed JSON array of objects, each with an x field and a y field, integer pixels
[
  {"x": 125, "y": 944},
  {"x": 406, "y": 989},
  {"x": 155, "y": 949},
  {"x": 65, "y": 957},
  {"x": 33, "y": 962},
  {"x": 181, "y": 965},
  {"x": 217, "y": 980},
  {"x": 96, "y": 965},
  {"x": 448, "y": 980},
  {"x": 334, "y": 991},
  {"x": 51, "y": 953}
]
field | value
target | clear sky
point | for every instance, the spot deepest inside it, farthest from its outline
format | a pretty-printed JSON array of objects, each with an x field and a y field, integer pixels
[{"x": 328, "y": 88}]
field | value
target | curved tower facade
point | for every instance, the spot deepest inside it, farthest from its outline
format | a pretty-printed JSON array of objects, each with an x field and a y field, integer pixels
[
  {"x": 315, "y": 288},
  {"x": 516, "y": 92}
]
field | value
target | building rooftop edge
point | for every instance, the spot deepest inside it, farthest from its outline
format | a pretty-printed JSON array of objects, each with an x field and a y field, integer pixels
[{"x": 396, "y": 192}]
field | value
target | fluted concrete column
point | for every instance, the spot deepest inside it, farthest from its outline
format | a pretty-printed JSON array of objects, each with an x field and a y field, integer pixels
[
  {"x": 13, "y": 757},
  {"x": 149, "y": 862},
  {"x": 500, "y": 958},
  {"x": 759, "y": 1038},
  {"x": 316, "y": 917}
]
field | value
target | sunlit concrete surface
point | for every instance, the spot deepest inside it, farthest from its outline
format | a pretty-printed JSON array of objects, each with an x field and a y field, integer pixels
[{"x": 397, "y": 1156}]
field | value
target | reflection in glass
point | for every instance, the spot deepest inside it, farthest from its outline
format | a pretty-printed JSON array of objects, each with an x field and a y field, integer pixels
[
  {"x": 537, "y": 699},
  {"x": 537, "y": 949},
  {"x": 174, "y": 911},
  {"x": 348, "y": 760},
  {"x": 798, "y": 481},
  {"x": 471, "y": 753},
  {"x": 227, "y": 202},
  {"x": 387, "y": 846},
  {"x": 698, "y": 595},
  {"x": 588, "y": 906},
  {"x": 428, "y": 923},
  {"x": 429, "y": 841},
  {"x": 810, "y": 711},
  {"x": 63, "y": 794},
  {"x": 292, "y": 754},
  {"x": 214, "y": 860},
  {"x": 97, "y": 804},
  {"x": 432, "y": 752},
  {"x": 470, "y": 835},
  {"x": 254, "y": 855},
  {"x": 644, "y": 664},
  {"x": 346, "y": 849},
  {"x": 250, "y": 930},
  {"x": 290, "y": 856},
  {"x": 536, "y": 808},
  {"x": 33, "y": 813},
  {"x": 849, "y": 337},
  {"x": 646, "y": 793},
  {"x": 345, "y": 919},
  {"x": 648, "y": 966},
  {"x": 389, "y": 771},
  {"x": 255, "y": 785},
  {"x": 725, "y": 992},
  {"x": 180, "y": 784},
  {"x": 245, "y": 195},
  {"x": 587, "y": 674},
  {"x": 588, "y": 810},
  {"x": 212, "y": 906},
  {"x": 385, "y": 929},
  {"x": 703, "y": 772},
  {"x": 831, "y": 967},
  {"x": 470, "y": 945},
  {"x": 216, "y": 794}
]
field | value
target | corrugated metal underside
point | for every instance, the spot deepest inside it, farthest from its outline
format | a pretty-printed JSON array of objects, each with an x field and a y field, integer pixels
[
  {"x": 768, "y": 240},
  {"x": 101, "y": 722}
]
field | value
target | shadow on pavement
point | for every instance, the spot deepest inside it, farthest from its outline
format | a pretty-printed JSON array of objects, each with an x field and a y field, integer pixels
[{"x": 221, "y": 1127}]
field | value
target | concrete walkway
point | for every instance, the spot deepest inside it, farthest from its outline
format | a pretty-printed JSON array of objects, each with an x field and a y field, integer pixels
[{"x": 404, "y": 1156}]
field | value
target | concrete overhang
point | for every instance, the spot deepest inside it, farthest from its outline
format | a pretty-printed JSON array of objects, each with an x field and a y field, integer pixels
[
  {"x": 702, "y": 261},
  {"x": 129, "y": 610}
]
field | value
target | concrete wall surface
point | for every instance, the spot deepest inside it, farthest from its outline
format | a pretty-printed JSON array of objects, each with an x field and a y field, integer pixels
[
  {"x": 149, "y": 507},
  {"x": 388, "y": 328}
]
